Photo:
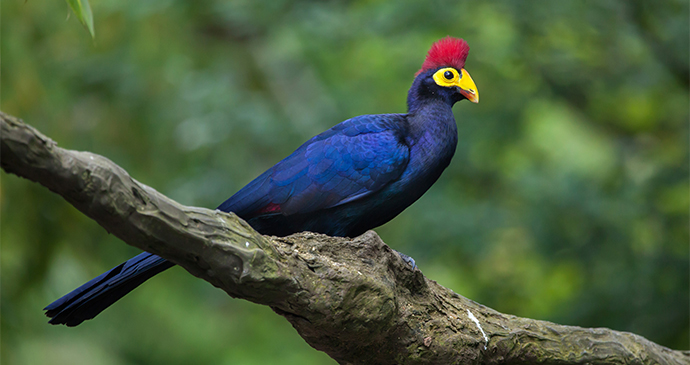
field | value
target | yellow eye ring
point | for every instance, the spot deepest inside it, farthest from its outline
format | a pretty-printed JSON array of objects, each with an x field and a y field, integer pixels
[{"x": 446, "y": 77}]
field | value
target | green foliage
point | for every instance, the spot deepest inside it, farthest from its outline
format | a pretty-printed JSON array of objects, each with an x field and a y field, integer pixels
[
  {"x": 82, "y": 10},
  {"x": 567, "y": 199}
]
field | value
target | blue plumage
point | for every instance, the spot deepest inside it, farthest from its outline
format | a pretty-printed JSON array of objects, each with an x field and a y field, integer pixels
[
  {"x": 353, "y": 177},
  {"x": 347, "y": 162}
]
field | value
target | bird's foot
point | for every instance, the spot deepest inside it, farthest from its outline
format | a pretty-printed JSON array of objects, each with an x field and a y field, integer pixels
[{"x": 409, "y": 260}]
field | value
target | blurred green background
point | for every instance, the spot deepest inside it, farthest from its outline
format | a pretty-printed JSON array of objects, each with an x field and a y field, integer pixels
[{"x": 567, "y": 199}]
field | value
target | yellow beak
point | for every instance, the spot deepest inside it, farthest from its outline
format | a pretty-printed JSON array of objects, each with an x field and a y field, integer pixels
[{"x": 467, "y": 87}]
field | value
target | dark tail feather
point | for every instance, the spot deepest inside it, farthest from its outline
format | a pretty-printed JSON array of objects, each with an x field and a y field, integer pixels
[{"x": 92, "y": 298}]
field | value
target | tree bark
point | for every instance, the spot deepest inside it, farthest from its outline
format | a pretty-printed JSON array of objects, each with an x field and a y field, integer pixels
[{"x": 354, "y": 299}]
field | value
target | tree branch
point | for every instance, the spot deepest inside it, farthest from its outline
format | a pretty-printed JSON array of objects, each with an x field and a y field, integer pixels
[{"x": 354, "y": 299}]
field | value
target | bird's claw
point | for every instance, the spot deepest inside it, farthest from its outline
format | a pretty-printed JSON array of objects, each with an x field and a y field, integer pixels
[{"x": 409, "y": 260}]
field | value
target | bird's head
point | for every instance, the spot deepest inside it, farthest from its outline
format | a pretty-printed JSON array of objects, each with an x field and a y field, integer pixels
[{"x": 443, "y": 73}]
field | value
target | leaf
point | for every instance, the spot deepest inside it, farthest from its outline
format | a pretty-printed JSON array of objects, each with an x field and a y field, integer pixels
[{"x": 82, "y": 10}]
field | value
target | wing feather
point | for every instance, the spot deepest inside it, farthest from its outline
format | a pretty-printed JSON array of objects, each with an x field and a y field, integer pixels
[{"x": 348, "y": 162}]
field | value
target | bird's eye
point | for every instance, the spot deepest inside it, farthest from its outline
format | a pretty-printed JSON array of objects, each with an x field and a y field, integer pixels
[{"x": 448, "y": 75}]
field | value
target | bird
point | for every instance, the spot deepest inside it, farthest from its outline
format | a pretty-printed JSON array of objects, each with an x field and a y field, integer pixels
[{"x": 353, "y": 177}]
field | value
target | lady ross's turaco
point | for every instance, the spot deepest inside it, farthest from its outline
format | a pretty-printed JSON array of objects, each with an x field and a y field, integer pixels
[{"x": 353, "y": 177}]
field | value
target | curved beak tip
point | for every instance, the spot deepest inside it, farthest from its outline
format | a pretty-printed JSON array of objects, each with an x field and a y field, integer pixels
[{"x": 470, "y": 94}]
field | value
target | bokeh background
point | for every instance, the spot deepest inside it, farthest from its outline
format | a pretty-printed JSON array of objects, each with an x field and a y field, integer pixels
[{"x": 567, "y": 199}]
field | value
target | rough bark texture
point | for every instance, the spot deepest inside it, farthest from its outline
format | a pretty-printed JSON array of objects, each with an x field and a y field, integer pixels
[{"x": 354, "y": 299}]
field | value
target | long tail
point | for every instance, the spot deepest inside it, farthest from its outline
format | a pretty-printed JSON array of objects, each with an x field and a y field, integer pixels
[{"x": 92, "y": 298}]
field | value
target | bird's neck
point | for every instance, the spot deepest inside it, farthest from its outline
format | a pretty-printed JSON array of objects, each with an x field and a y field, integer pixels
[
  {"x": 433, "y": 138},
  {"x": 428, "y": 112},
  {"x": 432, "y": 127},
  {"x": 434, "y": 122}
]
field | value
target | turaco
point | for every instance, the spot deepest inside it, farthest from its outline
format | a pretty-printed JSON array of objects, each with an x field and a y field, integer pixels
[{"x": 353, "y": 177}]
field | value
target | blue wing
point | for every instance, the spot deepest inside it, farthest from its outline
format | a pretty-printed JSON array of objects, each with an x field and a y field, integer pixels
[{"x": 347, "y": 162}]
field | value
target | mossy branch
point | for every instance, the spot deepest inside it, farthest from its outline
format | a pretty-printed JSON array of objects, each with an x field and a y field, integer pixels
[{"x": 354, "y": 299}]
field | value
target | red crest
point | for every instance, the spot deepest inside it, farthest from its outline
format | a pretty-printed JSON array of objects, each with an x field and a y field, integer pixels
[{"x": 447, "y": 52}]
